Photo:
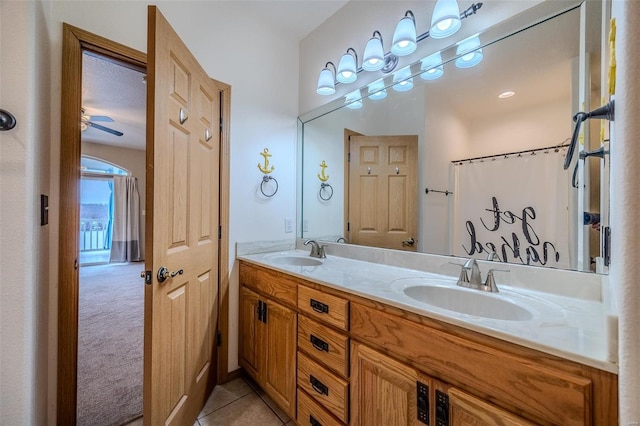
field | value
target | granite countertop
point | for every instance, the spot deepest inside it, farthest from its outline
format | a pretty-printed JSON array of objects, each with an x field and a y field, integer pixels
[{"x": 571, "y": 328}]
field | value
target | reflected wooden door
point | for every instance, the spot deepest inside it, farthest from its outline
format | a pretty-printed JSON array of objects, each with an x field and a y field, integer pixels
[
  {"x": 183, "y": 116},
  {"x": 383, "y": 196}
]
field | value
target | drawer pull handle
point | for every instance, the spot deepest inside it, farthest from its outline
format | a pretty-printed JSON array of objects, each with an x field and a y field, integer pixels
[
  {"x": 313, "y": 421},
  {"x": 319, "y": 344},
  {"x": 318, "y": 386},
  {"x": 319, "y": 306}
]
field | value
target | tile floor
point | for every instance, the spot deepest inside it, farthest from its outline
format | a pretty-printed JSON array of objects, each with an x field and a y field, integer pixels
[{"x": 239, "y": 402}]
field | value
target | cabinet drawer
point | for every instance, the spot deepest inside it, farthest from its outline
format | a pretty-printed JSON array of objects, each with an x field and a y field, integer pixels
[
  {"x": 324, "y": 345},
  {"x": 311, "y": 413},
  {"x": 328, "y": 389},
  {"x": 280, "y": 287},
  {"x": 331, "y": 309}
]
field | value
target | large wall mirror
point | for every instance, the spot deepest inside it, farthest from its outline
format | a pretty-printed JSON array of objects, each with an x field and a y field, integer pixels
[{"x": 457, "y": 165}]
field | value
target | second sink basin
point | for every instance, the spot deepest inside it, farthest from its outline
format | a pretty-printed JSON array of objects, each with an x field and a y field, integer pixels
[
  {"x": 470, "y": 302},
  {"x": 293, "y": 260}
]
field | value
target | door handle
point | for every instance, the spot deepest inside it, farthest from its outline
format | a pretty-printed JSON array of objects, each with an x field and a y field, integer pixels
[
  {"x": 164, "y": 274},
  {"x": 410, "y": 242}
]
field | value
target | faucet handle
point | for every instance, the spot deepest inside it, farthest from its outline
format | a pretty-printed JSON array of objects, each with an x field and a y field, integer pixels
[
  {"x": 492, "y": 255},
  {"x": 490, "y": 284},
  {"x": 464, "y": 278},
  {"x": 322, "y": 254}
]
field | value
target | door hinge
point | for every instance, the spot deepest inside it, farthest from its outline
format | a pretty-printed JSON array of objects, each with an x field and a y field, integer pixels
[
  {"x": 607, "y": 246},
  {"x": 221, "y": 123},
  {"x": 219, "y": 232},
  {"x": 442, "y": 409},
  {"x": 219, "y": 338},
  {"x": 349, "y": 156},
  {"x": 262, "y": 311},
  {"x": 348, "y": 226},
  {"x": 423, "y": 402}
]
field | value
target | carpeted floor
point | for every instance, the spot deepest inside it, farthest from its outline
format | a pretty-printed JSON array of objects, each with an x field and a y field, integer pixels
[{"x": 110, "y": 344}]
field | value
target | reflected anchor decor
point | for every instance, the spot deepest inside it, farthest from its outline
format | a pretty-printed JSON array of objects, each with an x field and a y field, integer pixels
[
  {"x": 324, "y": 186},
  {"x": 266, "y": 170}
]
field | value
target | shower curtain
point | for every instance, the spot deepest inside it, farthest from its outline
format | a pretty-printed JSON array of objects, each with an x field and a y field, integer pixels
[
  {"x": 126, "y": 245},
  {"x": 515, "y": 205}
]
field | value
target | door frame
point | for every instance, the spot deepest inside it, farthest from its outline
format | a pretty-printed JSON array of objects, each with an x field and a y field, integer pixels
[
  {"x": 347, "y": 174},
  {"x": 75, "y": 40}
]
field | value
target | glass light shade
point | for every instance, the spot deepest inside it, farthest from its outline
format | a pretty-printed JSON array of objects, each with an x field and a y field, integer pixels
[
  {"x": 326, "y": 85},
  {"x": 445, "y": 20},
  {"x": 347, "y": 70},
  {"x": 431, "y": 67},
  {"x": 470, "y": 52},
  {"x": 353, "y": 100},
  {"x": 377, "y": 91},
  {"x": 404, "y": 37},
  {"x": 402, "y": 80},
  {"x": 373, "y": 59}
]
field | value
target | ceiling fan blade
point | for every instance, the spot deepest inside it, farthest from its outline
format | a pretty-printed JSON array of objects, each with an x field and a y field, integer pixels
[
  {"x": 105, "y": 129},
  {"x": 102, "y": 118}
]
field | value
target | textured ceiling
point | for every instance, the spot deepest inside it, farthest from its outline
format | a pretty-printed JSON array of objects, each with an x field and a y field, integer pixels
[{"x": 118, "y": 92}]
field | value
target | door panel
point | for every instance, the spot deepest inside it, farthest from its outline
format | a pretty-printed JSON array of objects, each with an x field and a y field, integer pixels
[
  {"x": 280, "y": 348},
  {"x": 383, "y": 178},
  {"x": 182, "y": 216},
  {"x": 383, "y": 390}
]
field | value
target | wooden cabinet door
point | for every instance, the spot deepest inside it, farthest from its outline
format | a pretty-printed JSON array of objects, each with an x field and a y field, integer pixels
[
  {"x": 383, "y": 391},
  {"x": 467, "y": 410},
  {"x": 279, "y": 351},
  {"x": 249, "y": 355}
]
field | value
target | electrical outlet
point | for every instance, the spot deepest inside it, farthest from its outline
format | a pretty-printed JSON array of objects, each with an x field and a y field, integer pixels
[{"x": 288, "y": 226}]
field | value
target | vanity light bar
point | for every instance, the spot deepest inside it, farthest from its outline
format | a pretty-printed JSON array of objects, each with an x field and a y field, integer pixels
[{"x": 390, "y": 59}]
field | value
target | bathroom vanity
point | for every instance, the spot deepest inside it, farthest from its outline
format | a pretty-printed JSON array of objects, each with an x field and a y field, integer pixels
[{"x": 338, "y": 341}]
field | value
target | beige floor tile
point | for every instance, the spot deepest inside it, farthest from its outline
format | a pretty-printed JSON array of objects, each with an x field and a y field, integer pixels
[
  {"x": 225, "y": 394},
  {"x": 248, "y": 410}
]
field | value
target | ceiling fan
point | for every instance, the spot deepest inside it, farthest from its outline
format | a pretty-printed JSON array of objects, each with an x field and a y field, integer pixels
[{"x": 87, "y": 121}]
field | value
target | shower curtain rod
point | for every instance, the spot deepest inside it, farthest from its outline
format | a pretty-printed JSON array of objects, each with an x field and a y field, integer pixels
[{"x": 509, "y": 154}]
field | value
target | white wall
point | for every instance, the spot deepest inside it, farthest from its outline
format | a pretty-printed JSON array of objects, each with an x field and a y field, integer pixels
[
  {"x": 625, "y": 202},
  {"x": 24, "y": 91}
]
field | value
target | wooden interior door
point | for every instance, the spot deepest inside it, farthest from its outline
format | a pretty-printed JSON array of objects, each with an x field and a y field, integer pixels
[
  {"x": 183, "y": 116},
  {"x": 383, "y": 196}
]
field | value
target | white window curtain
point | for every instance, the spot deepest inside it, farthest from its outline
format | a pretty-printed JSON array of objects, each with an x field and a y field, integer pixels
[
  {"x": 126, "y": 245},
  {"x": 515, "y": 205}
]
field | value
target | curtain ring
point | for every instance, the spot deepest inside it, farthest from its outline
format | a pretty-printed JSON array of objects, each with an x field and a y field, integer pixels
[
  {"x": 324, "y": 186},
  {"x": 266, "y": 179}
]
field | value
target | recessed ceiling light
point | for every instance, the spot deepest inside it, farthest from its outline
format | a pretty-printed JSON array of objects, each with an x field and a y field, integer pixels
[{"x": 505, "y": 95}]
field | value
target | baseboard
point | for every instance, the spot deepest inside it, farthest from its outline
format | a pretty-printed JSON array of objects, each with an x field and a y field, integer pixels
[{"x": 232, "y": 375}]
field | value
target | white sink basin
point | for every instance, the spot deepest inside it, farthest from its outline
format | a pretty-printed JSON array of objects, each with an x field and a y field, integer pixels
[
  {"x": 470, "y": 302},
  {"x": 292, "y": 260}
]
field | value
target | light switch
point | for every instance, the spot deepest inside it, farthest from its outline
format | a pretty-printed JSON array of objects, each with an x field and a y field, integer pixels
[{"x": 288, "y": 226}]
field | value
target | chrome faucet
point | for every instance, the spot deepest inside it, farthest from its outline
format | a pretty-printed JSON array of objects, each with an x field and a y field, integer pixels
[
  {"x": 316, "y": 249},
  {"x": 492, "y": 255},
  {"x": 342, "y": 240},
  {"x": 475, "y": 279}
]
